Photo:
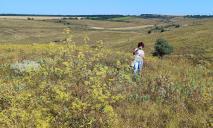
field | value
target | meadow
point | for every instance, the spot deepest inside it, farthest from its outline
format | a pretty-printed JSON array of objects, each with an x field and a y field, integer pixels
[{"x": 70, "y": 73}]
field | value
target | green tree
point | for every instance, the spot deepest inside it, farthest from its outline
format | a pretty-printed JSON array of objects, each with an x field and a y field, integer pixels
[{"x": 162, "y": 48}]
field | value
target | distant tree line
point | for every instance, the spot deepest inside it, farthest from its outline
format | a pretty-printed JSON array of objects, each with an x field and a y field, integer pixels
[
  {"x": 103, "y": 17},
  {"x": 86, "y": 16},
  {"x": 198, "y": 16},
  {"x": 107, "y": 17},
  {"x": 35, "y": 15},
  {"x": 147, "y": 16}
]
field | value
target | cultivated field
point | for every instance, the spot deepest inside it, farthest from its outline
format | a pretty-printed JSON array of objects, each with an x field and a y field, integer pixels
[{"x": 76, "y": 73}]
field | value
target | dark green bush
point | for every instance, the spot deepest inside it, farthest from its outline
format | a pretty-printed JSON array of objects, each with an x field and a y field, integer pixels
[
  {"x": 29, "y": 18},
  {"x": 162, "y": 48}
]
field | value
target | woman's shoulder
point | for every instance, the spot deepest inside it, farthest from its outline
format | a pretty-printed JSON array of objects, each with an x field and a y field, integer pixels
[{"x": 141, "y": 50}]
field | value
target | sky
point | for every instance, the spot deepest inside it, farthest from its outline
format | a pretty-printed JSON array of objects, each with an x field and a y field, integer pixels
[{"x": 91, "y": 7}]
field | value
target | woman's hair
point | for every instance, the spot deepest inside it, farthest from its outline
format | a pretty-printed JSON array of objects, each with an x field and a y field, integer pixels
[{"x": 141, "y": 44}]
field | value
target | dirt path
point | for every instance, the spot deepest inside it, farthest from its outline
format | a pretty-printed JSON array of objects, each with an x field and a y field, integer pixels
[{"x": 122, "y": 28}]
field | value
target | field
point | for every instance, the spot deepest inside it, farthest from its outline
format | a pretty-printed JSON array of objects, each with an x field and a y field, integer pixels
[{"x": 61, "y": 72}]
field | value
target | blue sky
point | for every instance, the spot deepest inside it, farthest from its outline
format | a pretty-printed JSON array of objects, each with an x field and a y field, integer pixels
[{"x": 132, "y": 7}]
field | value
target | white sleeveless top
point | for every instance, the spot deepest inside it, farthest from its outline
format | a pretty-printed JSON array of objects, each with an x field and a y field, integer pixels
[{"x": 139, "y": 54}]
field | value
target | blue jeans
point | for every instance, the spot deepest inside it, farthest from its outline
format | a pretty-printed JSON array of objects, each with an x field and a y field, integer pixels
[{"x": 137, "y": 67}]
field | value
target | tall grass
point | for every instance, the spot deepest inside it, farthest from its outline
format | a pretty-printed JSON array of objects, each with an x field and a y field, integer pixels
[{"x": 84, "y": 86}]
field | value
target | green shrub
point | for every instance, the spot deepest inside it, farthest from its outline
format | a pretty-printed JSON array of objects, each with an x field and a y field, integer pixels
[
  {"x": 29, "y": 18},
  {"x": 162, "y": 48}
]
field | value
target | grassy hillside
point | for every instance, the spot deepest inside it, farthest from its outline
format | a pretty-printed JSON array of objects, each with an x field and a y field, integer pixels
[
  {"x": 18, "y": 31},
  {"x": 192, "y": 37},
  {"x": 83, "y": 79},
  {"x": 80, "y": 86}
]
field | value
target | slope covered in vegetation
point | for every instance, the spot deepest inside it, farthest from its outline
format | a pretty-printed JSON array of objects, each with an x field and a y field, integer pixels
[{"x": 84, "y": 86}]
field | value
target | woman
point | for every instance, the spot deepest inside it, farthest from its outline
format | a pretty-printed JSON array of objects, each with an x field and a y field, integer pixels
[{"x": 138, "y": 60}]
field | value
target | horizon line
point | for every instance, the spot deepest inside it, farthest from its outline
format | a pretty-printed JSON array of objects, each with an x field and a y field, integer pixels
[{"x": 34, "y": 14}]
